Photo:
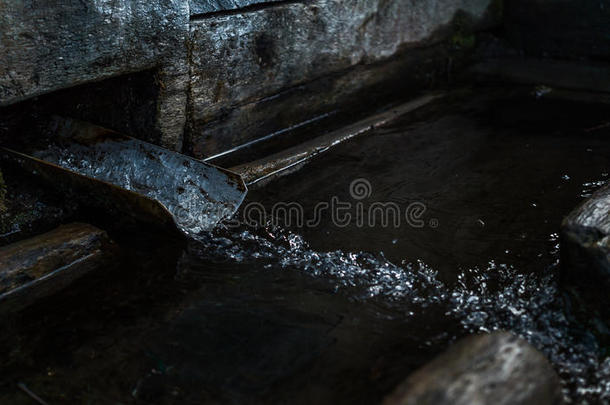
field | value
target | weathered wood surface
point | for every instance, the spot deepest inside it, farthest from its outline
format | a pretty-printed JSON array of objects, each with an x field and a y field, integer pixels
[
  {"x": 51, "y": 45},
  {"x": 48, "y": 45},
  {"x": 204, "y": 7},
  {"x": 568, "y": 75},
  {"x": 263, "y": 170},
  {"x": 284, "y": 64},
  {"x": 226, "y": 72},
  {"x": 40, "y": 266}
]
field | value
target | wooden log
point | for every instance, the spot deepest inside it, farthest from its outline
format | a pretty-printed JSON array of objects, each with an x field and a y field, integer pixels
[{"x": 40, "y": 266}]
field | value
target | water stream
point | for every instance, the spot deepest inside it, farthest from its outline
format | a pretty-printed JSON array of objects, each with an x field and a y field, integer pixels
[
  {"x": 197, "y": 195},
  {"x": 299, "y": 306}
]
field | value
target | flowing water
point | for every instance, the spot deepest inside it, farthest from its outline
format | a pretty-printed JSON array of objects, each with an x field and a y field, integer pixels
[
  {"x": 198, "y": 195},
  {"x": 314, "y": 301}
]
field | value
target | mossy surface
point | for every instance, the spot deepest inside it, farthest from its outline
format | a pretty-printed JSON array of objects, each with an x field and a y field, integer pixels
[{"x": 463, "y": 36}]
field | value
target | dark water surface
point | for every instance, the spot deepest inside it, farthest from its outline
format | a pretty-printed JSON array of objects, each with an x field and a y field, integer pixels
[{"x": 341, "y": 311}]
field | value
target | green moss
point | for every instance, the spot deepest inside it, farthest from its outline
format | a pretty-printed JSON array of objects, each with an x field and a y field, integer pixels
[
  {"x": 463, "y": 41},
  {"x": 463, "y": 32}
]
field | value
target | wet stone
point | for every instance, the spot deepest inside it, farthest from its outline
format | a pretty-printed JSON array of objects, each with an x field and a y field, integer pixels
[
  {"x": 571, "y": 30},
  {"x": 46, "y": 46},
  {"x": 585, "y": 241},
  {"x": 496, "y": 368}
]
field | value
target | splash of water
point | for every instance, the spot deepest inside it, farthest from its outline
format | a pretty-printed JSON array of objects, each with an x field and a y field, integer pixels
[
  {"x": 590, "y": 187},
  {"x": 197, "y": 196},
  {"x": 493, "y": 297}
]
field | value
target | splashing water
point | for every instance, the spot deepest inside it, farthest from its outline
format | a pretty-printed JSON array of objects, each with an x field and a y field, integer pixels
[
  {"x": 197, "y": 196},
  {"x": 494, "y": 297},
  {"x": 590, "y": 187}
]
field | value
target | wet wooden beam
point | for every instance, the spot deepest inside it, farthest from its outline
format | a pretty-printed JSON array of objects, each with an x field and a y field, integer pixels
[
  {"x": 261, "y": 171},
  {"x": 566, "y": 75},
  {"x": 40, "y": 266}
]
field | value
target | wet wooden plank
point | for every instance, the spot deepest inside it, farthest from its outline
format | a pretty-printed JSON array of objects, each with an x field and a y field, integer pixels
[
  {"x": 585, "y": 245},
  {"x": 40, "y": 266},
  {"x": 289, "y": 160}
]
